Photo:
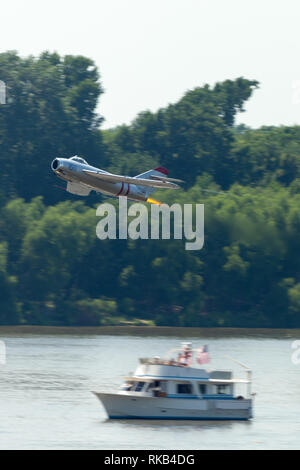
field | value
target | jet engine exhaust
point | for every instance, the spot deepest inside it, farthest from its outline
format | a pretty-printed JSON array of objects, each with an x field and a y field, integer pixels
[{"x": 153, "y": 201}]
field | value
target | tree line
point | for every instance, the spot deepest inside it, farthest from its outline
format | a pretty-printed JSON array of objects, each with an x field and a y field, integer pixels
[{"x": 53, "y": 268}]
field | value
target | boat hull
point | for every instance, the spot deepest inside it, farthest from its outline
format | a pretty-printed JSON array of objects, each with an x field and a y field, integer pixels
[{"x": 119, "y": 406}]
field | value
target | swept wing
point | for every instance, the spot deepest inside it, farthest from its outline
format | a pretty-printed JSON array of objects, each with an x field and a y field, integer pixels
[{"x": 156, "y": 182}]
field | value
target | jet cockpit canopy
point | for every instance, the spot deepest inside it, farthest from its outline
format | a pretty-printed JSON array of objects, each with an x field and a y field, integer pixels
[{"x": 79, "y": 160}]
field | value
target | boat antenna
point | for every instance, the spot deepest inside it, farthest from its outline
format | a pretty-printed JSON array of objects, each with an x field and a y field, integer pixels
[{"x": 238, "y": 362}]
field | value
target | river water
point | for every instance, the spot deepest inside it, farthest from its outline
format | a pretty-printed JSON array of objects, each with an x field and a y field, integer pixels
[{"x": 47, "y": 380}]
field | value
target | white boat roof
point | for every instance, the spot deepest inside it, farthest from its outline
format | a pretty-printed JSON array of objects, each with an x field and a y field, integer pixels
[
  {"x": 230, "y": 381},
  {"x": 137, "y": 378},
  {"x": 152, "y": 369},
  {"x": 150, "y": 372}
]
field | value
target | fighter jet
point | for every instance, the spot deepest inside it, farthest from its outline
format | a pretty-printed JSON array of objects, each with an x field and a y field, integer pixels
[{"x": 83, "y": 178}]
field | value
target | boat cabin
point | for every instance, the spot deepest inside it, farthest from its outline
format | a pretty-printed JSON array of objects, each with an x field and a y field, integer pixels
[{"x": 160, "y": 378}]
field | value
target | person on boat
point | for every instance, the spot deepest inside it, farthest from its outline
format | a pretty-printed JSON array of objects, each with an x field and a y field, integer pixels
[
  {"x": 180, "y": 359},
  {"x": 185, "y": 357},
  {"x": 156, "y": 389}
]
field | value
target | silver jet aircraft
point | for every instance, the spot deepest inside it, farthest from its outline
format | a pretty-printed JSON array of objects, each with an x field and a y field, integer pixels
[{"x": 82, "y": 178}]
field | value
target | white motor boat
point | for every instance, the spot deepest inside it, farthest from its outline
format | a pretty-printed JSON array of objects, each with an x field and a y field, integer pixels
[{"x": 172, "y": 389}]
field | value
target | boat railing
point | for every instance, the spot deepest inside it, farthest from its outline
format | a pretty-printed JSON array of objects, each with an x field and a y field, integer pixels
[{"x": 161, "y": 362}]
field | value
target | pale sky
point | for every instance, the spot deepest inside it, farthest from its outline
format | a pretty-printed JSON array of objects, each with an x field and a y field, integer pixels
[{"x": 150, "y": 52}]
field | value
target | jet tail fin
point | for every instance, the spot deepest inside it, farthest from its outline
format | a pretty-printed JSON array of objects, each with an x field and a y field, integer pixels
[{"x": 159, "y": 171}]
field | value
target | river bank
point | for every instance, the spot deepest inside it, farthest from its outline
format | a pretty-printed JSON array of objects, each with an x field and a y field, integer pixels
[{"x": 149, "y": 331}]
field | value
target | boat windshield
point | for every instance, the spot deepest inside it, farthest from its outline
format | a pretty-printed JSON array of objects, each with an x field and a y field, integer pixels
[
  {"x": 127, "y": 386},
  {"x": 139, "y": 386},
  {"x": 133, "y": 386}
]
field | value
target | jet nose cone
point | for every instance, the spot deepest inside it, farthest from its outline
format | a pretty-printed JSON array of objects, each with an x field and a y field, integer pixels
[{"x": 55, "y": 165}]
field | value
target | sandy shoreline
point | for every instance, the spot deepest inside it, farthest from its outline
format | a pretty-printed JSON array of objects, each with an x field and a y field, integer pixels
[{"x": 147, "y": 331}]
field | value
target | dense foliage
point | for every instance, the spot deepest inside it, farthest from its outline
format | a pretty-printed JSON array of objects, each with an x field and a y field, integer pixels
[{"x": 53, "y": 268}]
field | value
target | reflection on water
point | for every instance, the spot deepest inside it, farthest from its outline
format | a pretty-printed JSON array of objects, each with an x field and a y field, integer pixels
[
  {"x": 153, "y": 424},
  {"x": 46, "y": 384}
]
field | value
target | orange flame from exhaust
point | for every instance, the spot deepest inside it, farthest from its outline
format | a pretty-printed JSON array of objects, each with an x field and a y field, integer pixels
[{"x": 153, "y": 201}]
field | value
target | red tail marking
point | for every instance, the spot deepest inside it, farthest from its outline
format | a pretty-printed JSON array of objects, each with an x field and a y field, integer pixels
[{"x": 161, "y": 169}]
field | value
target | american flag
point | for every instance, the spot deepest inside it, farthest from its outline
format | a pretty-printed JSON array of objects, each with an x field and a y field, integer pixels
[{"x": 202, "y": 355}]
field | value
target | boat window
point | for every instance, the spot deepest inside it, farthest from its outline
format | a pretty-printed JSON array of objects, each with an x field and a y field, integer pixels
[
  {"x": 127, "y": 386},
  {"x": 184, "y": 388},
  {"x": 202, "y": 389},
  {"x": 150, "y": 386},
  {"x": 139, "y": 386},
  {"x": 223, "y": 389}
]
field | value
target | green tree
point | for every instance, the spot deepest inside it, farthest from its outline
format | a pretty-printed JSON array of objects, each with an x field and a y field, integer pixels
[
  {"x": 50, "y": 111},
  {"x": 9, "y": 311}
]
